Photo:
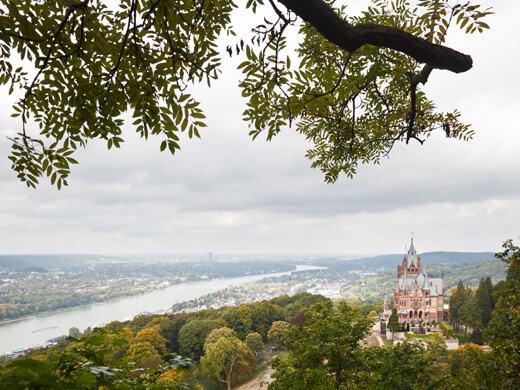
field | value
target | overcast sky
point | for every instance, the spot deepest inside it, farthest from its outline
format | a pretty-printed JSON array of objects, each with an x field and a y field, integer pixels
[{"x": 227, "y": 194}]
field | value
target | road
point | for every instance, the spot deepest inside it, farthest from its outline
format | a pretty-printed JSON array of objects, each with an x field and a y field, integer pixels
[{"x": 260, "y": 382}]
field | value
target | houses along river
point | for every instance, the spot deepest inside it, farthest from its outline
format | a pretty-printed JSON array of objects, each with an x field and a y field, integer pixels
[{"x": 36, "y": 331}]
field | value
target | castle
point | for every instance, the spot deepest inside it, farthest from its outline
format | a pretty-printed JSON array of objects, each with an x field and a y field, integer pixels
[{"x": 417, "y": 297}]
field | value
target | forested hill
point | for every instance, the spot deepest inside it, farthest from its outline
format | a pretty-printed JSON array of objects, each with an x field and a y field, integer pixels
[{"x": 392, "y": 260}]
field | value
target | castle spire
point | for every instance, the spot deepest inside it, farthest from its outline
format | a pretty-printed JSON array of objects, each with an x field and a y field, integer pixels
[
  {"x": 412, "y": 250},
  {"x": 412, "y": 255}
]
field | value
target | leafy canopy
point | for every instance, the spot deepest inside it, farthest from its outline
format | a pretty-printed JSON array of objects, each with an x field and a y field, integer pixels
[
  {"x": 325, "y": 353},
  {"x": 503, "y": 331},
  {"x": 84, "y": 64},
  {"x": 225, "y": 359}
]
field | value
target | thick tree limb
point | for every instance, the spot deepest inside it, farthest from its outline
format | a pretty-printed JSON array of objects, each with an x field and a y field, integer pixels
[
  {"x": 349, "y": 37},
  {"x": 421, "y": 77}
]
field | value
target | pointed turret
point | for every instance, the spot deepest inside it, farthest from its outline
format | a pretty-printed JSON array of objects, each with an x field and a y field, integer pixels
[
  {"x": 412, "y": 255},
  {"x": 413, "y": 260}
]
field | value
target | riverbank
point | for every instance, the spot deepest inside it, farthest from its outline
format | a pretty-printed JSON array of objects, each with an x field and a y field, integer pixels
[
  {"x": 111, "y": 299},
  {"x": 19, "y": 335}
]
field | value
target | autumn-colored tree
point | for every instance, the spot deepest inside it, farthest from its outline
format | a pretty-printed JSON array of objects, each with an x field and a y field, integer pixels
[
  {"x": 226, "y": 359},
  {"x": 278, "y": 334},
  {"x": 151, "y": 335},
  {"x": 372, "y": 315},
  {"x": 325, "y": 353},
  {"x": 143, "y": 354},
  {"x": 216, "y": 334}
]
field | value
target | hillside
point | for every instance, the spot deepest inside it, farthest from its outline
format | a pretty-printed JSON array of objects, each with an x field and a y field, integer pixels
[
  {"x": 390, "y": 261},
  {"x": 373, "y": 287}
]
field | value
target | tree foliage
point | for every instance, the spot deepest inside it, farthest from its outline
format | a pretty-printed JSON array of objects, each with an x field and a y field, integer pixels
[
  {"x": 279, "y": 333},
  {"x": 405, "y": 366},
  {"x": 393, "y": 322},
  {"x": 485, "y": 301},
  {"x": 143, "y": 354},
  {"x": 458, "y": 299},
  {"x": 352, "y": 92},
  {"x": 90, "y": 362},
  {"x": 193, "y": 335},
  {"x": 152, "y": 335},
  {"x": 325, "y": 353},
  {"x": 218, "y": 333},
  {"x": 503, "y": 331},
  {"x": 256, "y": 344},
  {"x": 226, "y": 359},
  {"x": 469, "y": 368}
]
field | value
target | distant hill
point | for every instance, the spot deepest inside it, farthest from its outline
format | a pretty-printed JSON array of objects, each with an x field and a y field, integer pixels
[
  {"x": 427, "y": 258},
  {"x": 376, "y": 262},
  {"x": 389, "y": 262},
  {"x": 373, "y": 287},
  {"x": 75, "y": 260}
]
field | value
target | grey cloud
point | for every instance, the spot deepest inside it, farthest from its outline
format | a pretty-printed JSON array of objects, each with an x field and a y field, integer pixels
[{"x": 232, "y": 194}]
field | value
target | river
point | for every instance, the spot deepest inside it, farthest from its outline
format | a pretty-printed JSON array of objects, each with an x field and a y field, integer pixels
[{"x": 36, "y": 331}]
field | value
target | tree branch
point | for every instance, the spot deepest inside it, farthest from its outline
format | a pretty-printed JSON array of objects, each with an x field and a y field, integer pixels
[
  {"x": 415, "y": 79},
  {"x": 351, "y": 37}
]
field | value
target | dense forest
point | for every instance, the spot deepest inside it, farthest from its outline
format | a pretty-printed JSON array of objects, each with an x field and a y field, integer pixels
[{"x": 309, "y": 341}]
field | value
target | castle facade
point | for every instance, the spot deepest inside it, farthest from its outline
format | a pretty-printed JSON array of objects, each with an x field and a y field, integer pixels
[{"x": 417, "y": 297}]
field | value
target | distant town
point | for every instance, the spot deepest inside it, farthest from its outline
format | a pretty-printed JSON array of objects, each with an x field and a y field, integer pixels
[
  {"x": 59, "y": 283},
  {"x": 27, "y": 289}
]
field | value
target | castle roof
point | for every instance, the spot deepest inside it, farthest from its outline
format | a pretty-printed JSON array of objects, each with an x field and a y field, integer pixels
[
  {"x": 433, "y": 285},
  {"x": 412, "y": 255},
  {"x": 418, "y": 276}
]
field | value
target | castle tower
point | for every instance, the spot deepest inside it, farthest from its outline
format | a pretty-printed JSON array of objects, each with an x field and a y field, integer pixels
[{"x": 417, "y": 296}]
